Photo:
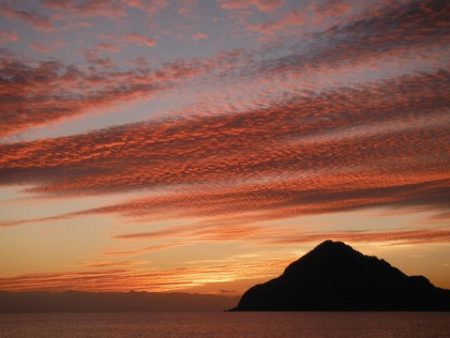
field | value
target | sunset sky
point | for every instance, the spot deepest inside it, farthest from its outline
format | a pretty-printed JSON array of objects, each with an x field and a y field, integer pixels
[{"x": 202, "y": 145}]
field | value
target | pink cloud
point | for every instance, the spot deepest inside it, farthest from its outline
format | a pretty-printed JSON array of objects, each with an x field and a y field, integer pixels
[
  {"x": 93, "y": 57},
  {"x": 139, "y": 39},
  {"x": 108, "y": 47},
  {"x": 40, "y": 47},
  {"x": 149, "y": 7},
  {"x": 199, "y": 36},
  {"x": 88, "y": 8},
  {"x": 8, "y": 36},
  {"x": 32, "y": 18},
  {"x": 47, "y": 92},
  {"x": 186, "y": 8},
  {"x": 272, "y": 27},
  {"x": 262, "y": 5}
]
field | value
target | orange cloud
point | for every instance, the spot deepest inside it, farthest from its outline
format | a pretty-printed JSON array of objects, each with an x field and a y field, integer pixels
[
  {"x": 384, "y": 144},
  {"x": 126, "y": 278},
  {"x": 263, "y": 236},
  {"x": 392, "y": 237}
]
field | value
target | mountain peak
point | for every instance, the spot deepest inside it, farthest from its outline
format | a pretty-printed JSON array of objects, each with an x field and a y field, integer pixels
[
  {"x": 329, "y": 246},
  {"x": 327, "y": 255},
  {"x": 334, "y": 276}
]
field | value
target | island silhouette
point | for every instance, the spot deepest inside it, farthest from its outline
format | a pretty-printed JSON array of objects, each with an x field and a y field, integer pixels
[{"x": 335, "y": 277}]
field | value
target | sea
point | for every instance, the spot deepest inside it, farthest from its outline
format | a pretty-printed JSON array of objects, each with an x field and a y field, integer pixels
[{"x": 228, "y": 325}]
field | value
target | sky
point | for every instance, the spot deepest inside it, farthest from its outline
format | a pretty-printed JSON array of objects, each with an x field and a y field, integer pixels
[{"x": 202, "y": 145}]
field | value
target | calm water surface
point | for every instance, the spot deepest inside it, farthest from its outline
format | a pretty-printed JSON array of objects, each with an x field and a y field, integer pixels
[{"x": 227, "y": 325}]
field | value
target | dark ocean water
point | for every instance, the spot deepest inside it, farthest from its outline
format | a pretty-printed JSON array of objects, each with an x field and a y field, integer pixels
[{"x": 228, "y": 325}]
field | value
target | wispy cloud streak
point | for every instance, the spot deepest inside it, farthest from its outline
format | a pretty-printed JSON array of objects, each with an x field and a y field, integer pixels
[{"x": 124, "y": 279}]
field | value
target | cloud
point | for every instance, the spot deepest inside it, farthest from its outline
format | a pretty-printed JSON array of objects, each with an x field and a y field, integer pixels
[
  {"x": 40, "y": 47},
  {"x": 392, "y": 34},
  {"x": 88, "y": 8},
  {"x": 166, "y": 232},
  {"x": 355, "y": 144},
  {"x": 8, "y": 36},
  {"x": 139, "y": 39},
  {"x": 187, "y": 8},
  {"x": 108, "y": 47},
  {"x": 149, "y": 7},
  {"x": 312, "y": 17},
  {"x": 32, "y": 18},
  {"x": 65, "y": 10},
  {"x": 93, "y": 57},
  {"x": 319, "y": 34},
  {"x": 267, "y": 236},
  {"x": 36, "y": 93},
  {"x": 293, "y": 18},
  {"x": 262, "y": 5},
  {"x": 126, "y": 278},
  {"x": 385, "y": 143},
  {"x": 392, "y": 237},
  {"x": 199, "y": 36}
]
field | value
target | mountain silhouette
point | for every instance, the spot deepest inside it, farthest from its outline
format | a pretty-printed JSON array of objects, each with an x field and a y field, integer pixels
[{"x": 334, "y": 276}]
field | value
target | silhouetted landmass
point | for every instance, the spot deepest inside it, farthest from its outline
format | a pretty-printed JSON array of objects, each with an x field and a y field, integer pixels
[
  {"x": 71, "y": 301},
  {"x": 335, "y": 277}
]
